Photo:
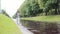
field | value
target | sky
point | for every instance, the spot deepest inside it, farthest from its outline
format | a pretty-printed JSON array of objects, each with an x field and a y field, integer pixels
[
  {"x": 0, "y": 5},
  {"x": 11, "y": 6}
]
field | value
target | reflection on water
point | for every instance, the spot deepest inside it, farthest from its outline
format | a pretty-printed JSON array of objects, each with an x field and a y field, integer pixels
[{"x": 42, "y": 27}]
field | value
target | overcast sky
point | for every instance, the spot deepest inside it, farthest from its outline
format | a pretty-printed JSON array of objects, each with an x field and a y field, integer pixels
[{"x": 11, "y": 6}]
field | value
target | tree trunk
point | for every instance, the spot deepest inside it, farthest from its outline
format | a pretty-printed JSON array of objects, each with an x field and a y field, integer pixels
[
  {"x": 46, "y": 13},
  {"x": 58, "y": 1}
]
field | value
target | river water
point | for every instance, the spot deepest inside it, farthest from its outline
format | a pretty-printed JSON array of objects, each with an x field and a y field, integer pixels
[
  {"x": 37, "y": 27},
  {"x": 20, "y": 26}
]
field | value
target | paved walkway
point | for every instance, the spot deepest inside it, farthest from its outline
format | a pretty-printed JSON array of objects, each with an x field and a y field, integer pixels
[{"x": 22, "y": 28}]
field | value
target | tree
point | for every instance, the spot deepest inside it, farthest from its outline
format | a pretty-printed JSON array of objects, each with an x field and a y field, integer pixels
[
  {"x": 4, "y": 12},
  {"x": 52, "y": 4},
  {"x": 35, "y": 7}
]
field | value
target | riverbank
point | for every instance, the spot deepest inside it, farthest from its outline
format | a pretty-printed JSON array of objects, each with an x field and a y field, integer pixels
[
  {"x": 52, "y": 18},
  {"x": 7, "y": 26},
  {"x": 23, "y": 29}
]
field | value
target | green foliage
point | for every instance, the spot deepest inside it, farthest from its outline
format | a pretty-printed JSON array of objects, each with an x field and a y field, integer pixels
[
  {"x": 4, "y": 12},
  {"x": 30, "y": 8},
  {"x": 35, "y": 7}
]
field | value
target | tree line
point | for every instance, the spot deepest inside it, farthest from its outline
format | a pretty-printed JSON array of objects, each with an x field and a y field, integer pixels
[
  {"x": 39, "y": 7},
  {"x": 4, "y": 12}
]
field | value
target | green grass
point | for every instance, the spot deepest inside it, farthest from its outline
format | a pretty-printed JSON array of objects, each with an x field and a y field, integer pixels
[
  {"x": 53, "y": 18},
  {"x": 7, "y": 26}
]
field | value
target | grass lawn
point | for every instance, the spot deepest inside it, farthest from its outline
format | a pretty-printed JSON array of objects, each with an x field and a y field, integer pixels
[
  {"x": 53, "y": 18},
  {"x": 7, "y": 26}
]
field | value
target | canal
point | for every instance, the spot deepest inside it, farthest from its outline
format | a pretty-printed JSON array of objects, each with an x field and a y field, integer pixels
[{"x": 38, "y": 27}]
